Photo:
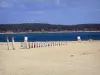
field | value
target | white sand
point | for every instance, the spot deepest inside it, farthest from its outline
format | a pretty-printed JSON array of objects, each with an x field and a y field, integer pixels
[{"x": 72, "y": 59}]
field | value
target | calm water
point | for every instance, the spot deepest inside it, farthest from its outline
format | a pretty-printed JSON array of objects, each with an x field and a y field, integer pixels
[{"x": 53, "y": 36}]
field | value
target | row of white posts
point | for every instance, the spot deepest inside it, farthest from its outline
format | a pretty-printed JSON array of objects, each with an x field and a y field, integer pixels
[
  {"x": 43, "y": 44},
  {"x": 27, "y": 44}
]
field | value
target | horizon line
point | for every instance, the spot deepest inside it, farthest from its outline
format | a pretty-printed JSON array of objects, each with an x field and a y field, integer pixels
[{"x": 47, "y": 23}]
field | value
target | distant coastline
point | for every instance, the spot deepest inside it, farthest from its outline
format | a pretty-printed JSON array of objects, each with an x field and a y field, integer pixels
[
  {"x": 47, "y": 28},
  {"x": 47, "y": 32}
]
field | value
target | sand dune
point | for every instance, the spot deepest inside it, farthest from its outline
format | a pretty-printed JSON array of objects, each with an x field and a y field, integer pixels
[{"x": 74, "y": 58}]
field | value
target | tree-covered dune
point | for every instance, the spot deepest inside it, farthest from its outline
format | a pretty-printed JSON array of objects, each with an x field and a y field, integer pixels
[{"x": 48, "y": 27}]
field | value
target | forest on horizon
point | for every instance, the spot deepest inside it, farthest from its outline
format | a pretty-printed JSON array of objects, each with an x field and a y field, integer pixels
[{"x": 41, "y": 27}]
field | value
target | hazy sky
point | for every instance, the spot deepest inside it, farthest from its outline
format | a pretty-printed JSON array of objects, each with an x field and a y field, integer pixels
[{"x": 50, "y": 11}]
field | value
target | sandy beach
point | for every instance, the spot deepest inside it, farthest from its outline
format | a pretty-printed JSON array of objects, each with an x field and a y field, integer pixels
[{"x": 74, "y": 58}]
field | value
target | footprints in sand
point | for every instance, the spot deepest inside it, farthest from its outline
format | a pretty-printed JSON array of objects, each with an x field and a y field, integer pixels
[
  {"x": 98, "y": 49},
  {"x": 84, "y": 53},
  {"x": 25, "y": 71},
  {"x": 71, "y": 55}
]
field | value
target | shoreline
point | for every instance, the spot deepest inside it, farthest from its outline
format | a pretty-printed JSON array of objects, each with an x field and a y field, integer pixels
[
  {"x": 49, "y": 32},
  {"x": 57, "y": 41}
]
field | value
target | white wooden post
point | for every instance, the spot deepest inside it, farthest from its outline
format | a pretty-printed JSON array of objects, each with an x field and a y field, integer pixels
[
  {"x": 7, "y": 41},
  {"x": 13, "y": 43},
  {"x": 25, "y": 42},
  {"x": 79, "y": 38}
]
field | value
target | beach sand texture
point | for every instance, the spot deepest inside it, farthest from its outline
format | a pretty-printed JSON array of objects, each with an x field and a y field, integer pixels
[{"x": 74, "y": 58}]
